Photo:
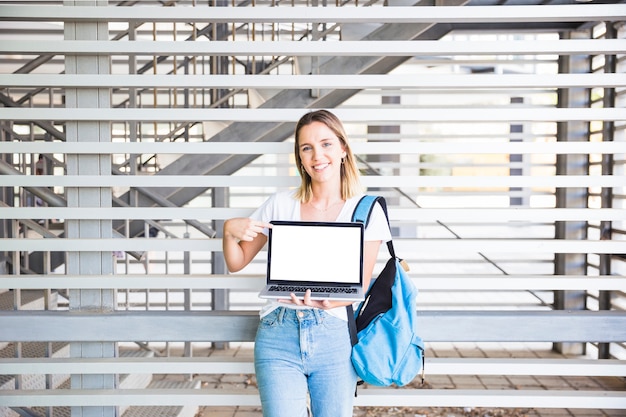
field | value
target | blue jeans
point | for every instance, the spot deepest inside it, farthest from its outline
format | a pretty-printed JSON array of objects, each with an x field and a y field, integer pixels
[{"x": 300, "y": 352}]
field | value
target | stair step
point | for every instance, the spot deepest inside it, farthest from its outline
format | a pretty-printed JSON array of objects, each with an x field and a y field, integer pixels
[
  {"x": 162, "y": 411},
  {"x": 31, "y": 300},
  {"x": 62, "y": 381},
  {"x": 34, "y": 350}
]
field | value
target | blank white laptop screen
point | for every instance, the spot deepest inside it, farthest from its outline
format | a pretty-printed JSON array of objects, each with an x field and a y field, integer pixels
[{"x": 315, "y": 253}]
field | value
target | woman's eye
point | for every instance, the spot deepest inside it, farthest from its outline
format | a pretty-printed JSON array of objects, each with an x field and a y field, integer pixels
[{"x": 306, "y": 148}]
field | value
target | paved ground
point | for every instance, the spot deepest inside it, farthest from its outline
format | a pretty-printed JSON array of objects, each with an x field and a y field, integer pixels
[{"x": 450, "y": 382}]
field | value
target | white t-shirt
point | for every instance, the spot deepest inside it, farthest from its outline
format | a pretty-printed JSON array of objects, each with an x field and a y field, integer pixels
[{"x": 285, "y": 206}]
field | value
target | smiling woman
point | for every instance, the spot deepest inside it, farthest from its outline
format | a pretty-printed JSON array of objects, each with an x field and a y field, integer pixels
[{"x": 300, "y": 327}]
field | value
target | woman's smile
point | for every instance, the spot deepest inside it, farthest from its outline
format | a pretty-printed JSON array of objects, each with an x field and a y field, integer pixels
[{"x": 321, "y": 167}]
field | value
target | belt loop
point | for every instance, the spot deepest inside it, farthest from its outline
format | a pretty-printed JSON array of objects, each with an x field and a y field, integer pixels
[
  {"x": 281, "y": 314},
  {"x": 318, "y": 315}
]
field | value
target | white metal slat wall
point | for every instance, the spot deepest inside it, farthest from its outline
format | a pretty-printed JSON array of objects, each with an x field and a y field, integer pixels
[
  {"x": 388, "y": 115},
  {"x": 467, "y": 185},
  {"x": 395, "y": 114}
]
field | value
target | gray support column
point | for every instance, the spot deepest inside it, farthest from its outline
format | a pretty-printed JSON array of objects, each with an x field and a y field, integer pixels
[
  {"x": 516, "y": 128},
  {"x": 188, "y": 352},
  {"x": 574, "y": 131},
  {"x": 606, "y": 196},
  {"x": 7, "y": 196},
  {"x": 133, "y": 159},
  {"x": 89, "y": 262},
  {"x": 219, "y": 297}
]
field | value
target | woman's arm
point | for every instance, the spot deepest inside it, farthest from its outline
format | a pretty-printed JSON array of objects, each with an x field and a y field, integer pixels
[
  {"x": 243, "y": 239},
  {"x": 370, "y": 254}
]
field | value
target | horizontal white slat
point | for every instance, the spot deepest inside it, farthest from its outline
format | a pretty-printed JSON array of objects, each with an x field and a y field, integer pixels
[
  {"x": 471, "y": 282},
  {"x": 321, "y": 48},
  {"x": 371, "y": 115},
  {"x": 334, "y": 81},
  {"x": 424, "y": 14},
  {"x": 255, "y": 282},
  {"x": 416, "y": 215},
  {"x": 365, "y": 148},
  {"x": 152, "y": 281},
  {"x": 128, "y": 365},
  {"x": 129, "y": 397},
  {"x": 219, "y": 365},
  {"x": 241, "y": 326},
  {"x": 366, "y": 398},
  {"x": 207, "y": 181},
  {"x": 524, "y": 366},
  {"x": 122, "y": 213},
  {"x": 492, "y": 398},
  {"x": 404, "y": 246}
]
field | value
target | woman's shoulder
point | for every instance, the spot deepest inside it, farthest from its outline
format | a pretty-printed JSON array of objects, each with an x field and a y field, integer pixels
[
  {"x": 281, "y": 196},
  {"x": 278, "y": 206},
  {"x": 286, "y": 195},
  {"x": 285, "y": 198},
  {"x": 354, "y": 200},
  {"x": 348, "y": 208}
]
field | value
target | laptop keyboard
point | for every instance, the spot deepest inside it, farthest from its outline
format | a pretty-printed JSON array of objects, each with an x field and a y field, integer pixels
[{"x": 332, "y": 290}]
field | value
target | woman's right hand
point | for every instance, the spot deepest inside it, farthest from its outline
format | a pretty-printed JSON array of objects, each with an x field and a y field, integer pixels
[
  {"x": 243, "y": 239},
  {"x": 244, "y": 228}
]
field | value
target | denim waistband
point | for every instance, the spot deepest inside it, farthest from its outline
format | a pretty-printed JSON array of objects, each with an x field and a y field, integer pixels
[{"x": 301, "y": 315}]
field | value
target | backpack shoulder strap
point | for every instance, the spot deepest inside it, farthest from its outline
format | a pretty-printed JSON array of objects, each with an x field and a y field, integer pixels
[
  {"x": 361, "y": 214},
  {"x": 363, "y": 211}
]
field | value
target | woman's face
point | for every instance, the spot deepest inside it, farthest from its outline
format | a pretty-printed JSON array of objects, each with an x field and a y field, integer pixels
[{"x": 320, "y": 152}]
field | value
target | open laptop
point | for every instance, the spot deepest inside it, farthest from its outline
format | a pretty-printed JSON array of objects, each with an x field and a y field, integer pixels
[{"x": 325, "y": 257}]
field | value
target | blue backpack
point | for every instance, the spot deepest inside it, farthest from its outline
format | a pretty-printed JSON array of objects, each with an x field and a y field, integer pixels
[{"x": 386, "y": 349}]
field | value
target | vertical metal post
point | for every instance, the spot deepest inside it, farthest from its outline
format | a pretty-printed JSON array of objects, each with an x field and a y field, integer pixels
[
  {"x": 133, "y": 159},
  {"x": 17, "y": 294},
  {"x": 606, "y": 195},
  {"x": 572, "y": 131},
  {"x": 315, "y": 36},
  {"x": 89, "y": 262},
  {"x": 516, "y": 128},
  {"x": 188, "y": 352},
  {"x": 187, "y": 291},
  {"x": 7, "y": 196},
  {"x": 219, "y": 297}
]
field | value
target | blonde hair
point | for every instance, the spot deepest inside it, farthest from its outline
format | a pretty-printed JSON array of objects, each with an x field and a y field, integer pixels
[{"x": 350, "y": 177}]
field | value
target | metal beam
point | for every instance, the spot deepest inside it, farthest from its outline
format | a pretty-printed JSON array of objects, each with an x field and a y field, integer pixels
[
  {"x": 240, "y": 326},
  {"x": 273, "y": 115},
  {"x": 360, "y": 148},
  {"x": 293, "y": 181},
  {"x": 366, "y": 398},
  {"x": 464, "y": 215},
  {"x": 320, "y": 48},
  {"x": 238, "y": 365},
  {"x": 252, "y": 283},
  {"x": 406, "y": 246},
  {"x": 426, "y": 14},
  {"x": 327, "y": 81}
]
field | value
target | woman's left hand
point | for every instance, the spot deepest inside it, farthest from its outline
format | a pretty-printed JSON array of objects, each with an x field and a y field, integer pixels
[{"x": 308, "y": 302}]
